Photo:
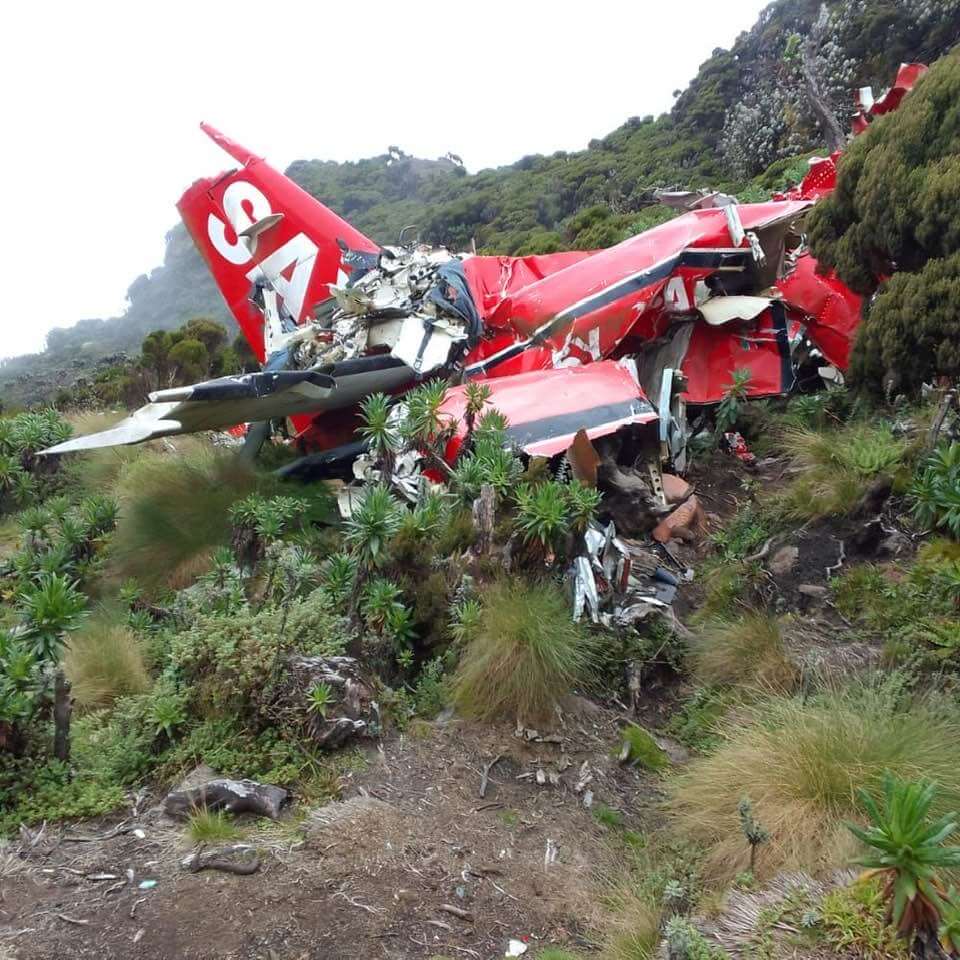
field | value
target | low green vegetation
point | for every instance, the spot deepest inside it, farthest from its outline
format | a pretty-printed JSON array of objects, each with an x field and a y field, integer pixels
[
  {"x": 209, "y": 826},
  {"x": 642, "y": 750}
]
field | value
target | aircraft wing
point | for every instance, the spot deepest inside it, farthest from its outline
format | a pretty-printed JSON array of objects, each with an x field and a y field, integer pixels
[{"x": 251, "y": 397}]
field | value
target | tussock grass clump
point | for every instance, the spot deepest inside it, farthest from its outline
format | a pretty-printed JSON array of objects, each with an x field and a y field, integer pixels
[
  {"x": 801, "y": 764},
  {"x": 730, "y": 587},
  {"x": 207, "y": 826},
  {"x": 747, "y": 652},
  {"x": 175, "y": 508},
  {"x": 105, "y": 661},
  {"x": 836, "y": 467},
  {"x": 634, "y": 929},
  {"x": 525, "y": 655}
]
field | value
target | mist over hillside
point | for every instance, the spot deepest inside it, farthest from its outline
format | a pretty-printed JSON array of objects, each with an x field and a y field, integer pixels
[{"x": 747, "y": 111}]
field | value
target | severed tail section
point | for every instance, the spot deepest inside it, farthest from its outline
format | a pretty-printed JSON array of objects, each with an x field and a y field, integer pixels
[{"x": 257, "y": 229}]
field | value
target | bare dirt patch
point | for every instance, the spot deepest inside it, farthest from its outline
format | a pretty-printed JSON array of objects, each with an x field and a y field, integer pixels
[{"x": 414, "y": 865}]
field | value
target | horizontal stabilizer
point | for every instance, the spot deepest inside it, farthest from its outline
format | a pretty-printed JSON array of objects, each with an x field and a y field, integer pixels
[
  {"x": 249, "y": 398},
  {"x": 214, "y": 405}
]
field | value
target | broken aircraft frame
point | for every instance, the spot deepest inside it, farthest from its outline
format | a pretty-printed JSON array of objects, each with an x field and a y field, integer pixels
[{"x": 565, "y": 341}]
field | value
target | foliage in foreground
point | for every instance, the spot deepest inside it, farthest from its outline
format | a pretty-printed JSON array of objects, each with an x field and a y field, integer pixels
[
  {"x": 526, "y": 654},
  {"x": 802, "y": 762},
  {"x": 906, "y": 849}
]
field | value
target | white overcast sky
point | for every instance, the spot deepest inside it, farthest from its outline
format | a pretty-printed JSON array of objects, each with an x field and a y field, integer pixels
[{"x": 100, "y": 104}]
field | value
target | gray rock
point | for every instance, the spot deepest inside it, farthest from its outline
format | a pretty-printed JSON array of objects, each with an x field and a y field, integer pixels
[
  {"x": 784, "y": 560},
  {"x": 233, "y": 796}
]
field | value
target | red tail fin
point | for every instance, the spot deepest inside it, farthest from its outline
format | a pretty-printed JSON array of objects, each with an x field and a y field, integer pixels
[{"x": 255, "y": 222}]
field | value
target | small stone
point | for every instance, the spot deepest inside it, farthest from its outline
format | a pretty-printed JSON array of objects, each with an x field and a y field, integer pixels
[
  {"x": 813, "y": 591},
  {"x": 784, "y": 560}
]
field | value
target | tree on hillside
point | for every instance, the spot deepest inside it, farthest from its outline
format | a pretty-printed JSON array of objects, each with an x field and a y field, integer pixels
[
  {"x": 189, "y": 360},
  {"x": 155, "y": 354},
  {"x": 205, "y": 329},
  {"x": 896, "y": 209}
]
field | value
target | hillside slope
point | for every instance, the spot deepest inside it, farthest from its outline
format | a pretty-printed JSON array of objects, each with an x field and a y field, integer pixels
[{"x": 745, "y": 112}]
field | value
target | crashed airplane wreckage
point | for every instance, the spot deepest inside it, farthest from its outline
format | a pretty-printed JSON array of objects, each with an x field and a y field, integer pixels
[{"x": 601, "y": 342}]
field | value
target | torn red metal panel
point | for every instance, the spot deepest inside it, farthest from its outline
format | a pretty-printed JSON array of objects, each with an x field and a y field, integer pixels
[
  {"x": 832, "y": 309},
  {"x": 493, "y": 279},
  {"x": 546, "y": 409},
  {"x": 595, "y": 303},
  {"x": 761, "y": 346},
  {"x": 820, "y": 181},
  {"x": 255, "y": 222},
  {"x": 890, "y": 100}
]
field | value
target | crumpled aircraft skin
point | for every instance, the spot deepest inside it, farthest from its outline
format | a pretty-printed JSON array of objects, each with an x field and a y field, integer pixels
[
  {"x": 546, "y": 409},
  {"x": 313, "y": 294},
  {"x": 831, "y": 309}
]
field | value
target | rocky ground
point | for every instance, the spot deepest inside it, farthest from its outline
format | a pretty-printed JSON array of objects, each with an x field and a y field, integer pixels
[{"x": 413, "y": 863}]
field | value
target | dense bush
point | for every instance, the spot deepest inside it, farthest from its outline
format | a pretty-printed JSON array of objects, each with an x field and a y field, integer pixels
[
  {"x": 896, "y": 209},
  {"x": 225, "y": 663}
]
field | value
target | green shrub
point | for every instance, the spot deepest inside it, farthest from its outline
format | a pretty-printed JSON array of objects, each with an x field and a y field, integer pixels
[
  {"x": 527, "y": 654},
  {"x": 542, "y": 514},
  {"x": 226, "y": 663},
  {"x": 373, "y": 522},
  {"x": 895, "y": 207},
  {"x": 935, "y": 493},
  {"x": 50, "y": 607},
  {"x": 31, "y": 792},
  {"x": 686, "y": 942}
]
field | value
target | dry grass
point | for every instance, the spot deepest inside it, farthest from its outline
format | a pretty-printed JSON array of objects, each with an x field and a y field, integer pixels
[
  {"x": 633, "y": 931},
  {"x": 747, "y": 652},
  {"x": 801, "y": 763},
  {"x": 105, "y": 661},
  {"x": 174, "y": 510},
  {"x": 526, "y": 655}
]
